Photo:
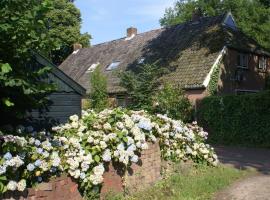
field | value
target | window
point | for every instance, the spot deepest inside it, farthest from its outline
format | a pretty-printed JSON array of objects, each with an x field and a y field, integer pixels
[
  {"x": 242, "y": 60},
  {"x": 240, "y": 92},
  {"x": 121, "y": 101},
  {"x": 141, "y": 60},
  {"x": 262, "y": 63},
  {"x": 113, "y": 65},
  {"x": 92, "y": 67}
]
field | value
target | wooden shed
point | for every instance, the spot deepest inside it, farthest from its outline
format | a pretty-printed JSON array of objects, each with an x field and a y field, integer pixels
[{"x": 66, "y": 101}]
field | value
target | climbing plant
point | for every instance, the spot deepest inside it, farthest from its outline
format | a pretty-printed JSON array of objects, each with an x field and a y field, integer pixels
[{"x": 213, "y": 84}]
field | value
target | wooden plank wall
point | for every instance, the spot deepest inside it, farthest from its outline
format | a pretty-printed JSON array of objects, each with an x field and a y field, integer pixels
[{"x": 64, "y": 105}]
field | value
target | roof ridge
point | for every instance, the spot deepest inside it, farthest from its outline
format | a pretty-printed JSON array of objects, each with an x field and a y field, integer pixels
[
  {"x": 175, "y": 25},
  {"x": 123, "y": 38}
]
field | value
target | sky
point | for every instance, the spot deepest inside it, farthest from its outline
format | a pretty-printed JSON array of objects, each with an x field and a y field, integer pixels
[{"x": 106, "y": 20}]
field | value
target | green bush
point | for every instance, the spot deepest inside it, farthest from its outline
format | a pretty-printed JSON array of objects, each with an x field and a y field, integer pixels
[
  {"x": 98, "y": 95},
  {"x": 237, "y": 120},
  {"x": 173, "y": 102}
]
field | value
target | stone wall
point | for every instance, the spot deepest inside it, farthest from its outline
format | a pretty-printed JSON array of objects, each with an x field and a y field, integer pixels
[
  {"x": 140, "y": 175},
  {"x": 62, "y": 188}
]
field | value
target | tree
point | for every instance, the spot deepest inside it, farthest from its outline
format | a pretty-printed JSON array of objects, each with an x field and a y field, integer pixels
[
  {"x": 173, "y": 102},
  {"x": 98, "y": 95},
  {"x": 252, "y": 16},
  {"x": 22, "y": 28},
  {"x": 142, "y": 84},
  {"x": 64, "y": 23}
]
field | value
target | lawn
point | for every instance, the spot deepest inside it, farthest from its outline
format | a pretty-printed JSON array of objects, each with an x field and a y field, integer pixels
[{"x": 197, "y": 183}]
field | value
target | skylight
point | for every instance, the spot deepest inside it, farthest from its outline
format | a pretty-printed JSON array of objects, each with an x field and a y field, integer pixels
[
  {"x": 141, "y": 60},
  {"x": 113, "y": 65},
  {"x": 92, "y": 67}
]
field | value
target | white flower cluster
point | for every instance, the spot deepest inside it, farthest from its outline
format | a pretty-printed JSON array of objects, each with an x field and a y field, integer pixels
[
  {"x": 27, "y": 157},
  {"x": 83, "y": 146}
]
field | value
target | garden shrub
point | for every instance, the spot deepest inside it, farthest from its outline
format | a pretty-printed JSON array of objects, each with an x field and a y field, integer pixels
[
  {"x": 82, "y": 147},
  {"x": 98, "y": 96},
  {"x": 237, "y": 120},
  {"x": 173, "y": 102}
]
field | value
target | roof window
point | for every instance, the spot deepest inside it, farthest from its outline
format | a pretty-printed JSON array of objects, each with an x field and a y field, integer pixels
[
  {"x": 92, "y": 67},
  {"x": 113, "y": 65},
  {"x": 141, "y": 60}
]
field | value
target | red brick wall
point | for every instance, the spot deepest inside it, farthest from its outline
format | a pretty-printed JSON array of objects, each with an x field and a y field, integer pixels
[
  {"x": 253, "y": 78},
  {"x": 62, "y": 188},
  {"x": 140, "y": 175},
  {"x": 194, "y": 95}
]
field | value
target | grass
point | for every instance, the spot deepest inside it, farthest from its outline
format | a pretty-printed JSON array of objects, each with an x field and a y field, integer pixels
[{"x": 196, "y": 183}]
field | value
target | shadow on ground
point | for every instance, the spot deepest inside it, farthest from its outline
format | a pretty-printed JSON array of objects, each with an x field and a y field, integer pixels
[{"x": 245, "y": 158}]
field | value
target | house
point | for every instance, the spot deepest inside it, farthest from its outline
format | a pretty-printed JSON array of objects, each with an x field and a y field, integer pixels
[
  {"x": 65, "y": 101},
  {"x": 193, "y": 51}
]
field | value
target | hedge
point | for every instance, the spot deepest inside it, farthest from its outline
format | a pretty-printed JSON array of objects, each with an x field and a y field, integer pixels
[{"x": 237, "y": 120}]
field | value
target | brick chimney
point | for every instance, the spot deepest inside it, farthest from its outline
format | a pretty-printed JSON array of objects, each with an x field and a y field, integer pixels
[
  {"x": 77, "y": 46},
  {"x": 131, "y": 32},
  {"x": 197, "y": 14}
]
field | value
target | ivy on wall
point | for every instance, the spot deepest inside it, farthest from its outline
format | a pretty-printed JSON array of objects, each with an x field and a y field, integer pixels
[{"x": 213, "y": 84}]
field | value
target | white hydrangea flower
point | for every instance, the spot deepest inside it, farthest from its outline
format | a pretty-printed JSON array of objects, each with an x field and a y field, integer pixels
[
  {"x": 107, "y": 126},
  {"x": 12, "y": 185},
  {"x": 99, "y": 170},
  {"x": 107, "y": 155},
  {"x": 103, "y": 144},
  {"x": 74, "y": 118},
  {"x": 21, "y": 185}
]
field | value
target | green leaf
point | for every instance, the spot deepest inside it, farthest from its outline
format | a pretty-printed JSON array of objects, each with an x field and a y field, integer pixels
[
  {"x": 3, "y": 178},
  {"x": 5, "y": 68},
  {"x": 7, "y": 102},
  {"x": 125, "y": 139},
  {"x": 97, "y": 158}
]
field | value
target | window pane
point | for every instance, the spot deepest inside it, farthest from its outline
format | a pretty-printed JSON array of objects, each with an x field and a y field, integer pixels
[{"x": 113, "y": 65}]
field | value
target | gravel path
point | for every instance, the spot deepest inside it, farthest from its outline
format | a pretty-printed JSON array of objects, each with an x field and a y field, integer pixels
[
  {"x": 252, "y": 188},
  {"x": 256, "y": 187}
]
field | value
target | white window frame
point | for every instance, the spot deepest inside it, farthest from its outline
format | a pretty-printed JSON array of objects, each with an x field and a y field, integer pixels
[
  {"x": 243, "y": 60},
  {"x": 262, "y": 63},
  {"x": 114, "y": 65},
  {"x": 92, "y": 67}
]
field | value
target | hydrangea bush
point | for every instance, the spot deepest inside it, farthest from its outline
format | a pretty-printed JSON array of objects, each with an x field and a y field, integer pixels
[{"x": 83, "y": 146}]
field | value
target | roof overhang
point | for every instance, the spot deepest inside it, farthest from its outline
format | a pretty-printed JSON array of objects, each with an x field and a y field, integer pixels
[{"x": 59, "y": 73}]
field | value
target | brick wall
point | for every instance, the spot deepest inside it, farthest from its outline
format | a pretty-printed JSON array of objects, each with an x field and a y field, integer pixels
[
  {"x": 254, "y": 79},
  {"x": 140, "y": 175},
  {"x": 62, "y": 188}
]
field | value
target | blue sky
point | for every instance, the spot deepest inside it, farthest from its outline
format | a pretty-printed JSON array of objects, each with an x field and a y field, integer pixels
[{"x": 106, "y": 20}]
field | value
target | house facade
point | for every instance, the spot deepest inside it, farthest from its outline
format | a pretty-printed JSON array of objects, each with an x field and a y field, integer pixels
[{"x": 193, "y": 52}]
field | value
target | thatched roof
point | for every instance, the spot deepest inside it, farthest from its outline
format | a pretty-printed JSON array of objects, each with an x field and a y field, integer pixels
[{"x": 190, "y": 49}]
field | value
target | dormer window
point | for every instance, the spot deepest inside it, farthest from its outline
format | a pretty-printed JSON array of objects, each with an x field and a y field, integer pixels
[
  {"x": 92, "y": 67},
  {"x": 242, "y": 60},
  {"x": 113, "y": 65},
  {"x": 262, "y": 63}
]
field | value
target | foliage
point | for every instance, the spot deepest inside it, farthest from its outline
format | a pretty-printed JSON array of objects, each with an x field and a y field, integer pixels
[
  {"x": 187, "y": 184},
  {"x": 82, "y": 147},
  {"x": 253, "y": 17},
  {"x": 213, "y": 83},
  {"x": 22, "y": 28},
  {"x": 63, "y": 22},
  {"x": 173, "y": 102},
  {"x": 237, "y": 120},
  {"x": 98, "y": 95},
  {"x": 142, "y": 84}
]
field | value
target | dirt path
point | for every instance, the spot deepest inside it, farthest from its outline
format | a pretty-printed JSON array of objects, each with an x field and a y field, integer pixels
[
  {"x": 256, "y": 187},
  {"x": 252, "y": 188}
]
